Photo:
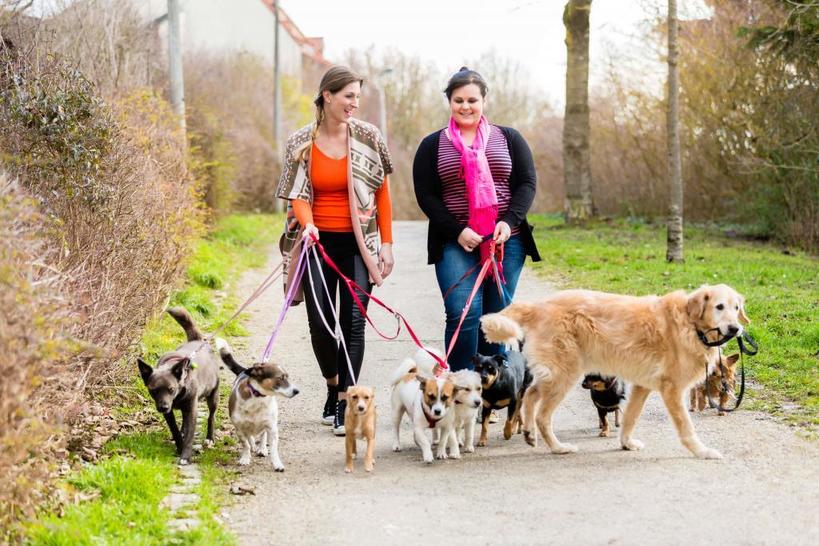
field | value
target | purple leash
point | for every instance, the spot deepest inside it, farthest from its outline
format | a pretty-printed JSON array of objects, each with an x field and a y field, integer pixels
[{"x": 291, "y": 294}]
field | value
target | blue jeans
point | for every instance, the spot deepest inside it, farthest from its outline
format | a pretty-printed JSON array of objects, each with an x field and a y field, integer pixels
[{"x": 452, "y": 266}]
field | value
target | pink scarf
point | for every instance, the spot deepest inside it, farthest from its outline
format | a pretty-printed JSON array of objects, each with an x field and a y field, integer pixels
[{"x": 480, "y": 187}]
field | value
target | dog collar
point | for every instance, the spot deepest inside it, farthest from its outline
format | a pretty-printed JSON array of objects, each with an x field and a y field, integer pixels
[
  {"x": 432, "y": 421},
  {"x": 254, "y": 392}
]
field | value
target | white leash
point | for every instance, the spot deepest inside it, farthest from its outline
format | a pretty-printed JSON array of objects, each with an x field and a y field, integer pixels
[{"x": 335, "y": 333}]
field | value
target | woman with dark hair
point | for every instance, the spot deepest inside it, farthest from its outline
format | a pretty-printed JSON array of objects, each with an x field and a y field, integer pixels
[
  {"x": 475, "y": 182},
  {"x": 334, "y": 178}
]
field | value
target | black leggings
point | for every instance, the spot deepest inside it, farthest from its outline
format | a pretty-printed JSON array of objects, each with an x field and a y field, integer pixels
[{"x": 342, "y": 248}]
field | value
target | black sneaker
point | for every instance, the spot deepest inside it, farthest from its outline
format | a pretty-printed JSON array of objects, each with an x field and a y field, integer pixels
[
  {"x": 338, "y": 424},
  {"x": 329, "y": 413}
]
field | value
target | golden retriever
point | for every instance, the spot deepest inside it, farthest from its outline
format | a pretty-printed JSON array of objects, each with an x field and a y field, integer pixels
[{"x": 650, "y": 341}]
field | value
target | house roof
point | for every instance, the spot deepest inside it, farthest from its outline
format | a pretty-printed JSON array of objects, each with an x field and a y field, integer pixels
[{"x": 312, "y": 47}]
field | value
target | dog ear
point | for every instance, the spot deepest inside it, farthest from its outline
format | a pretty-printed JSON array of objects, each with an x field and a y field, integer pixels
[
  {"x": 731, "y": 361},
  {"x": 422, "y": 381},
  {"x": 697, "y": 301},
  {"x": 144, "y": 370},
  {"x": 501, "y": 360},
  {"x": 743, "y": 318},
  {"x": 476, "y": 359},
  {"x": 180, "y": 369}
]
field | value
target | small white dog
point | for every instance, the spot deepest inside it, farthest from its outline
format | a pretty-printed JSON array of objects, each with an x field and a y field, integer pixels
[
  {"x": 253, "y": 409},
  {"x": 428, "y": 400},
  {"x": 467, "y": 402}
]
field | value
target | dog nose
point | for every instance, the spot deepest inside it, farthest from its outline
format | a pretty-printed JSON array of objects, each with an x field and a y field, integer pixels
[
  {"x": 732, "y": 330},
  {"x": 295, "y": 391},
  {"x": 436, "y": 411},
  {"x": 163, "y": 408}
]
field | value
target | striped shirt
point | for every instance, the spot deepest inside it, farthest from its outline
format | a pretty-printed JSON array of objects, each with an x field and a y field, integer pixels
[{"x": 453, "y": 184}]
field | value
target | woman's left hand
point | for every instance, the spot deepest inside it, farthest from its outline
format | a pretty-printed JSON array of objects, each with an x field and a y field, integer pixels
[
  {"x": 386, "y": 260},
  {"x": 502, "y": 232}
]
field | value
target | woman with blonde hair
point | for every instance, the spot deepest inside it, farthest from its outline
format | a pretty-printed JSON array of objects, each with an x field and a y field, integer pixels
[{"x": 334, "y": 178}]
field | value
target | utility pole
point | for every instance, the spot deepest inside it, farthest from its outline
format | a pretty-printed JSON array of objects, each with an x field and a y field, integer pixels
[
  {"x": 175, "y": 62},
  {"x": 277, "y": 97}
]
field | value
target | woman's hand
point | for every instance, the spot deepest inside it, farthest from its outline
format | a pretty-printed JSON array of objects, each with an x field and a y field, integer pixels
[
  {"x": 385, "y": 260},
  {"x": 502, "y": 232},
  {"x": 469, "y": 240},
  {"x": 310, "y": 229}
]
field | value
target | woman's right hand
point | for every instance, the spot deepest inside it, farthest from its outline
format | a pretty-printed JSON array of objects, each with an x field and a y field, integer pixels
[
  {"x": 469, "y": 240},
  {"x": 310, "y": 229}
]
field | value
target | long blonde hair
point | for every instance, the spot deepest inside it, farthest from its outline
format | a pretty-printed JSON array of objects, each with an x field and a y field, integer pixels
[{"x": 334, "y": 80}]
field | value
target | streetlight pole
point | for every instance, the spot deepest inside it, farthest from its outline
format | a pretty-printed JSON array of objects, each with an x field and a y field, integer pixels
[
  {"x": 175, "y": 62},
  {"x": 277, "y": 96},
  {"x": 382, "y": 102}
]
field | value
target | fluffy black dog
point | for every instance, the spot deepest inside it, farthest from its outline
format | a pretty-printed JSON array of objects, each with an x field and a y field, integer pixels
[
  {"x": 504, "y": 379},
  {"x": 606, "y": 394}
]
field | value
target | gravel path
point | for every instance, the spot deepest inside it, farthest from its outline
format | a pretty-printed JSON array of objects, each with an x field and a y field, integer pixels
[{"x": 765, "y": 490}]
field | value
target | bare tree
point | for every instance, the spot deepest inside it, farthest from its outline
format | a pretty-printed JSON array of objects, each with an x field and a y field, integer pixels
[
  {"x": 576, "y": 160},
  {"x": 674, "y": 239}
]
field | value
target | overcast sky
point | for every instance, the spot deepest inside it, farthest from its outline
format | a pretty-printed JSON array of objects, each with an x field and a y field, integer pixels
[{"x": 449, "y": 32}]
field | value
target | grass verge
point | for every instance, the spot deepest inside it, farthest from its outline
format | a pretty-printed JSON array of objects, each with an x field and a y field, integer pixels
[
  {"x": 137, "y": 470},
  {"x": 781, "y": 290}
]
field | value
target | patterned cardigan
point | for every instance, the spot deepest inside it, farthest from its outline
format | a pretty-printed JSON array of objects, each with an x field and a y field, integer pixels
[{"x": 369, "y": 162}]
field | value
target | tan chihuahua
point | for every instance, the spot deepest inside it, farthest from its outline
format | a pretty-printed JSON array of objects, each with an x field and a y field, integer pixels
[{"x": 359, "y": 423}]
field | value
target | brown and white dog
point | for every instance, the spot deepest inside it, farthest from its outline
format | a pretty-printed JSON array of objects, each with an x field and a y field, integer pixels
[
  {"x": 428, "y": 401},
  {"x": 652, "y": 342},
  {"x": 252, "y": 407},
  {"x": 720, "y": 384},
  {"x": 359, "y": 423}
]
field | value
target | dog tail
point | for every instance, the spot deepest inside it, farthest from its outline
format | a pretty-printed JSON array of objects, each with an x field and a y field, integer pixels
[
  {"x": 407, "y": 365},
  {"x": 505, "y": 327},
  {"x": 226, "y": 354},
  {"x": 181, "y": 315}
]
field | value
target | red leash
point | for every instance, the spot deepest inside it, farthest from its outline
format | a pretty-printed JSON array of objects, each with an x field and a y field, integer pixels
[
  {"x": 490, "y": 261},
  {"x": 354, "y": 288}
]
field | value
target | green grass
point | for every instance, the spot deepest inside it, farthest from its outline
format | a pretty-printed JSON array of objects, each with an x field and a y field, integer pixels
[
  {"x": 137, "y": 470},
  {"x": 781, "y": 291}
]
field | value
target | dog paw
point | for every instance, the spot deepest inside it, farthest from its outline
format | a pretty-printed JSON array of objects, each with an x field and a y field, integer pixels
[
  {"x": 482, "y": 442},
  {"x": 368, "y": 467},
  {"x": 454, "y": 455},
  {"x": 563, "y": 449},
  {"x": 207, "y": 444},
  {"x": 396, "y": 448},
  {"x": 441, "y": 456},
  {"x": 261, "y": 452},
  {"x": 529, "y": 438},
  {"x": 633, "y": 445},
  {"x": 470, "y": 449},
  {"x": 709, "y": 453},
  {"x": 604, "y": 434},
  {"x": 507, "y": 431},
  {"x": 184, "y": 462},
  {"x": 244, "y": 461},
  {"x": 278, "y": 468},
  {"x": 348, "y": 469}
]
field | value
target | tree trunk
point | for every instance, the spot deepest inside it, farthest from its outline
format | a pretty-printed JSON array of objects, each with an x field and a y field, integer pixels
[
  {"x": 674, "y": 239},
  {"x": 576, "y": 159}
]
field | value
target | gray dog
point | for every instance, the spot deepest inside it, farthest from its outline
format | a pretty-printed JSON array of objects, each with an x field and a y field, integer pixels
[{"x": 179, "y": 382}]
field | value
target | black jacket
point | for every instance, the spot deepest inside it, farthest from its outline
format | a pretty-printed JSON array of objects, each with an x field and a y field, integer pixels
[{"x": 443, "y": 227}]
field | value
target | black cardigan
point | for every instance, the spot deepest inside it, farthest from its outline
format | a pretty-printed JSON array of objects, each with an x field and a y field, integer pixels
[{"x": 443, "y": 226}]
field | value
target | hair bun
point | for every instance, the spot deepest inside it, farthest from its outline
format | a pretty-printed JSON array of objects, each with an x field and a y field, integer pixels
[{"x": 463, "y": 68}]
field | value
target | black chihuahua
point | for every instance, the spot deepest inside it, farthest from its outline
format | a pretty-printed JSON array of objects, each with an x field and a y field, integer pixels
[
  {"x": 504, "y": 379},
  {"x": 606, "y": 394}
]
